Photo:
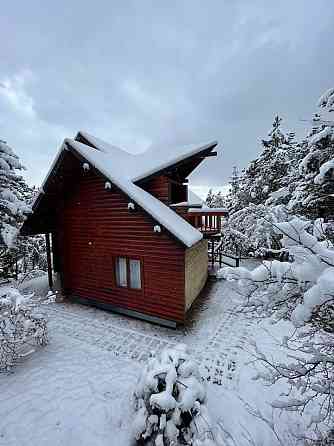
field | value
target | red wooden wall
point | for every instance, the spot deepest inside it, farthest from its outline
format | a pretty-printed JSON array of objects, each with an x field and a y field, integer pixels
[
  {"x": 97, "y": 227},
  {"x": 159, "y": 187}
]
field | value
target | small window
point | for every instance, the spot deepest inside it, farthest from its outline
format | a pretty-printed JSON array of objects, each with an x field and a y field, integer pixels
[
  {"x": 128, "y": 273},
  {"x": 135, "y": 279},
  {"x": 121, "y": 272}
]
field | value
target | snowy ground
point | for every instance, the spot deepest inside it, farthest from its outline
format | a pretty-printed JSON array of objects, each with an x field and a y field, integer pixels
[{"x": 77, "y": 390}]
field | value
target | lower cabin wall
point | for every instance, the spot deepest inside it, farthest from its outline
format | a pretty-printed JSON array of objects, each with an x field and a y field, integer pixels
[
  {"x": 196, "y": 271},
  {"x": 98, "y": 227}
]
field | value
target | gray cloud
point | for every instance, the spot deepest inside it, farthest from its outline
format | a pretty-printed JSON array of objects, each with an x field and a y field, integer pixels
[{"x": 145, "y": 73}]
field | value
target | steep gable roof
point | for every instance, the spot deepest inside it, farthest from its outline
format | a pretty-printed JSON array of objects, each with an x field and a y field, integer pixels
[
  {"x": 169, "y": 219},
  {"x": 141, "y": 165},
  {"x": 123, "y": 169}
]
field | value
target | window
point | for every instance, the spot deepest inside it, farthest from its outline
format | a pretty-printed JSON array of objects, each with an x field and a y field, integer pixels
[
  {"x": 135, "y": 280},
  {"x": 128, "y": 273},
  {"x": 121, "y": 272}
]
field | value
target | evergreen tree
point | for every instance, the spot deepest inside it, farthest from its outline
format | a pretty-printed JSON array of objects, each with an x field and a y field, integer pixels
[
  {"x": 217, "y": 200},
  {"x": 265, "y": 174},
  {"x": 13, "y": 194},
  {"x": 209, "y": 199},
  {"x": 314, "y": 179},
  {"x": 261, "y": 193},
  {"x": 235, "y": 181}
]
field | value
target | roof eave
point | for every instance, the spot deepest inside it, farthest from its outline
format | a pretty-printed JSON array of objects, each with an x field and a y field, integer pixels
[{"x": 200, "y": 151}]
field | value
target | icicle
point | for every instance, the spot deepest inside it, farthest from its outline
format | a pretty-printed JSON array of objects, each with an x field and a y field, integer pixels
[
  {"x": 157, "y": 228},
  {"x": 107, "y": 185},
  {"x": 131, "y": 206},
  {"x": 85, "y": 167}
]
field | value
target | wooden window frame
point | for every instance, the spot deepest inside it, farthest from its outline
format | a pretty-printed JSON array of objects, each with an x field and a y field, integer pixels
[{"x": 128, "y": 258}]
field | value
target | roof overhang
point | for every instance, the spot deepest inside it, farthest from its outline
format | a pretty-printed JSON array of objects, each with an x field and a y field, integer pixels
[{"x": 188, "y": 163}]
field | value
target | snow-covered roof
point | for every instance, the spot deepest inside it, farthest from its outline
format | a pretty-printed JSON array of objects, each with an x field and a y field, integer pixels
[
  {"x": 104, "y": 163},
  {"x": 141, "y": 165},
  {"x": 194, "y": 199},
  {"x": 207, "y": 210},
  {"x": 124, "y": 169}
]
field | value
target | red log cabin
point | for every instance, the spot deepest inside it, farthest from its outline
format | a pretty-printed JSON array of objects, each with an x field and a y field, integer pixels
[{"x": 121, "y": 232}]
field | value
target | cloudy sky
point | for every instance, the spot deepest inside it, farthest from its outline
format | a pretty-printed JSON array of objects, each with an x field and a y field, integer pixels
[{"x": 142, "y": 73}]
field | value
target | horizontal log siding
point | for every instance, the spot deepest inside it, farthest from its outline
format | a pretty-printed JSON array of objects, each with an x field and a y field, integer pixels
[
  {"x": 94, "y": 214},
  {"x": 159, "y": 187}
]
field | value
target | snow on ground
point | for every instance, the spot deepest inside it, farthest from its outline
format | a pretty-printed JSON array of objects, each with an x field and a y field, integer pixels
[{"x": 77, "y": 390}]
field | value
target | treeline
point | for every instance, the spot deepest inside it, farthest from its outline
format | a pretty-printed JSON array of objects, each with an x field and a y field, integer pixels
[{"x": 290, "y": 177}]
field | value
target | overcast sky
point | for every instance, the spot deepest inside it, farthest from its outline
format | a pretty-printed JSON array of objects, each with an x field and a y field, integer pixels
[{"x": 137, "y": 73}]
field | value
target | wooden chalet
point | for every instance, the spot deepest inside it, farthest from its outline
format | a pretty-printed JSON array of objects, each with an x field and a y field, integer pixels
[{"x": 121, "y": 233}]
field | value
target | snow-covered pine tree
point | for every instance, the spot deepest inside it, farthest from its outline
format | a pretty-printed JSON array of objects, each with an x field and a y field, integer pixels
[
  {"x": 264, "y": 175},
  {"x": 217, "y": 200},
  {"x": 263, "y": 189},
  {"x": 314, "y": 181},
  {"x": 13, "y": 208},
  {"x": 209, "y": 199},
  {"x": 234, "y": 181}
]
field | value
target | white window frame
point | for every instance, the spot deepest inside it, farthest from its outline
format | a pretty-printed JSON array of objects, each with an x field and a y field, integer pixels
[{"x": 125, "y": 279}]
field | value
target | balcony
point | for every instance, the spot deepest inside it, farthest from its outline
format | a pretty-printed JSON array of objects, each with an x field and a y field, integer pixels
[{"x": 207, "y": 220}]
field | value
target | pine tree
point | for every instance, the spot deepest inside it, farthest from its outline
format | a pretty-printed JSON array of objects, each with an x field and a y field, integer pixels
[
  {"x": 314, "y": 179},
  {"x": 235, "y": 181},
  {"x": 261, "y": 193},
  {"x": 209, "y": 199},
  {"x": 13, "y": 194},
  {"x": 264, "y": 175}
]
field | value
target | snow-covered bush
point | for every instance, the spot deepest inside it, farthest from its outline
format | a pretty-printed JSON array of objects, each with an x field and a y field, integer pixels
[
  {"x": 251, "y": 231},
  {"x": 301, "y": 291},
  {"x": 170, "y": 401},
  {"x": 31, "y": 254},
  {"x": 21, "y": 323}
]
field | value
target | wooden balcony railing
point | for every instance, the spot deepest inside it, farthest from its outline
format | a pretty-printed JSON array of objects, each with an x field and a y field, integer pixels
[{"x": 207, "y": 220}]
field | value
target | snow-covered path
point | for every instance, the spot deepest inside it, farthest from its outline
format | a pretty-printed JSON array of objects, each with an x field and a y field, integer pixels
[
  {"x": 215, "y": 334},
  {"x": 77, "y": 390}
]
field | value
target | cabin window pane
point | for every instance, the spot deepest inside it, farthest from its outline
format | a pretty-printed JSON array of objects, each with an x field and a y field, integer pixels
[
  {"x": 121, "y": 276},
  {"x": 135, "y": 279}
]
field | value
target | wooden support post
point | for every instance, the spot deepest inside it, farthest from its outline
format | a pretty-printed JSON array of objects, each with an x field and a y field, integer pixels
[
  {"x": 212, "y": 253},
  {"x": 48, "y": 257}
]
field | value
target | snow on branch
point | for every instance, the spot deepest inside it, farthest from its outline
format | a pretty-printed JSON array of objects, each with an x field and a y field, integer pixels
[
  {"x": 170, "y": 402},
  {"x": 301, "y": 291},
  {"x": 327, "y": 100},
  {"x": 20, "y": 323}
]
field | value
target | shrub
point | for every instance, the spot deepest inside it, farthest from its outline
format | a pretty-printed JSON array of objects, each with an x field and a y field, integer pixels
[{"x": 170, "y": 401}]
